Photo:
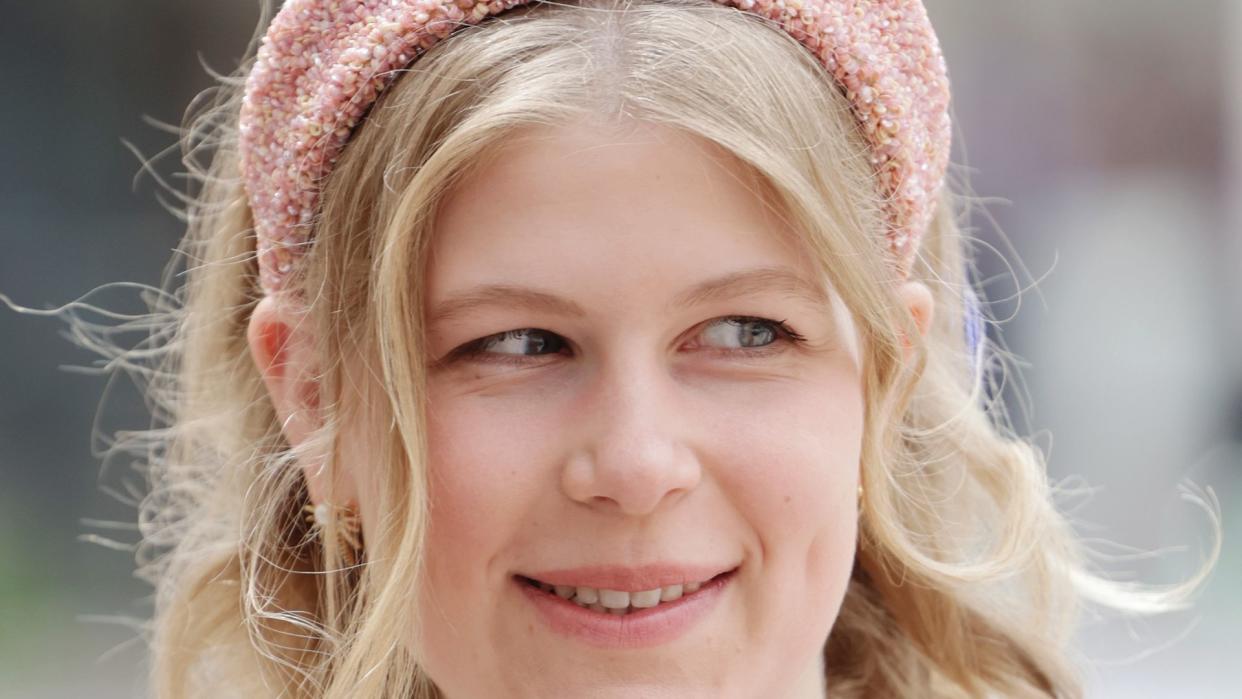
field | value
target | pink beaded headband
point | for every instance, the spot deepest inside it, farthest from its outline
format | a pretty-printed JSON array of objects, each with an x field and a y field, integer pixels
[{"x": 323, "y": 63}]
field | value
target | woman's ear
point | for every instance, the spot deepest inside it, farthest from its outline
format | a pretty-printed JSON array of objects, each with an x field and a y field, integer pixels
[
  {"x": 921, "y": 305},
  {"x": 283, "y": 350}
]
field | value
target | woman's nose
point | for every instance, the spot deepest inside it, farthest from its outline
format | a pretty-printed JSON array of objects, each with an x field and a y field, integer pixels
[{"x": 631, "y": 453}]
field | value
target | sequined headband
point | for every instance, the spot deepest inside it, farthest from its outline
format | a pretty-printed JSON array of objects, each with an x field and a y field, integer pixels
[{"x": 323, "y": 63}]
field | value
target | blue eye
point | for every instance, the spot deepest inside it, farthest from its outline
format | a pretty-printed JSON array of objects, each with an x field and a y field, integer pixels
[
  {"x": 533, "y": 339},
  {"x": 755, "y": 338},
  {"x": 754, "y": 332}
]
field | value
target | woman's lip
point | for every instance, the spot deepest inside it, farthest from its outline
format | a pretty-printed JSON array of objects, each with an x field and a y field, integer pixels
[
  {"x": 655, "y": 626},
  {"x": 630, "y": 579}
]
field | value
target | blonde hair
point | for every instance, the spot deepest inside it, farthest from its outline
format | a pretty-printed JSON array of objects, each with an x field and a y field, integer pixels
[{"x": 967, "y": 582}]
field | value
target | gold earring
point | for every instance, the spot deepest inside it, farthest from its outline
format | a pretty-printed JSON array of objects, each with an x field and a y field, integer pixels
[{"x": 338, "y": 524}]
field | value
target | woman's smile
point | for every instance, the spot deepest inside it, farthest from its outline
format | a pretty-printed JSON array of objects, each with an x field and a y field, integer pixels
[{"x": 616, "y": 607}]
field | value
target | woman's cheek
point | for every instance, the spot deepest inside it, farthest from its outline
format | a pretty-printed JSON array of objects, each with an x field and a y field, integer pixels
[
  {"x": 800, "y": 458},
  {"x": 471, "y": 464},
  {"x": 490, "y": 462}
]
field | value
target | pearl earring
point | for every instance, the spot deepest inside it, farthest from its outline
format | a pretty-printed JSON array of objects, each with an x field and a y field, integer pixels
[{"x": 337, "y": 523}]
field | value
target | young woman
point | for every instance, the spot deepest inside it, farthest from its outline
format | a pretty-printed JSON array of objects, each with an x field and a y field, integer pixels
[{"x": 593, "y": 349}]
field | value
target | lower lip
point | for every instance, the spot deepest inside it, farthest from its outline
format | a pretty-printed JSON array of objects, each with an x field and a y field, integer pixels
[{"x": 657, "y": 625}]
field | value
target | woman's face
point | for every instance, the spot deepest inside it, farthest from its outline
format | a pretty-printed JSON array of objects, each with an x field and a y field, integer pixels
[{"x": 618, "y": 412}]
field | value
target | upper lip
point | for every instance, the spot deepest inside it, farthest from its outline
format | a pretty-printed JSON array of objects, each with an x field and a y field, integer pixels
[{"x": 629, "y": 578}]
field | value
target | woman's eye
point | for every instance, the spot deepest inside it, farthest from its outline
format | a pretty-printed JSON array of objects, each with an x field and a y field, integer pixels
[
  {"x": 517, "y": 343},
  {"x": 745, "y": 332},
  {"x": 749, "y": 337},
  {"x": 746, "y": 336}
]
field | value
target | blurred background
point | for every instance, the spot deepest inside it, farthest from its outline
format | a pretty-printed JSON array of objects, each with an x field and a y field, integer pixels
[{"x": 1103, "y": 140}]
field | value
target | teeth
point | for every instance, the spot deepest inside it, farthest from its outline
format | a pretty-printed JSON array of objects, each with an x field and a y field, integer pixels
[
  {"x": 617, "y": 600},
  {"x": 614, "y": 599},
  {"x": 645, "y": 599}
]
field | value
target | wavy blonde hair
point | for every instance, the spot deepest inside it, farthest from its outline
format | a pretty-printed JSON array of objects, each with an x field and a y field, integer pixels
[{"x": 967, "y": 581}]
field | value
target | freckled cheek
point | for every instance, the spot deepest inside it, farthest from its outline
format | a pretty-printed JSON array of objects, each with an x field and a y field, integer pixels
[
  {"x": 794, "y": 469},
  {"x": 481, "y": 482},
  {"x": 792, "y": 477}
]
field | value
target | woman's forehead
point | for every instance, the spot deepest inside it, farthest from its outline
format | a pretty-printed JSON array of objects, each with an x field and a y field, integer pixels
[{"x": 647, "y": 205}]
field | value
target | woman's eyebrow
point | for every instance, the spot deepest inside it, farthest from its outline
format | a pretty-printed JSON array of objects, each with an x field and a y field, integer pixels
[{"x": 731, "y": 285}]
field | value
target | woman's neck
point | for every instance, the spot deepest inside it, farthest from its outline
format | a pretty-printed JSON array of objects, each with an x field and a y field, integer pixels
[{"x": 811, "y": 684}]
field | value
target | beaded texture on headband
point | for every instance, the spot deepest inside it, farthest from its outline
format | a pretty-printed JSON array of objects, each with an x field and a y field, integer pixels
[{"x": 323, "y": 63}]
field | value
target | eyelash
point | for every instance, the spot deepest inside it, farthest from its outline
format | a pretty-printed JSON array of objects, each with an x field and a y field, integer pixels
[{"x": 785, "y": 335}]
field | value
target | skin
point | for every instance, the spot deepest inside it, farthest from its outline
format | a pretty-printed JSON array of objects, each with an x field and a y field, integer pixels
[{"x": 639, "y": 432}]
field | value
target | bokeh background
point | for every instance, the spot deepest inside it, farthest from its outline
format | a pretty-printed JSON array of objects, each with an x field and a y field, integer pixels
[{"x": 1103, "y": 140}]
